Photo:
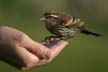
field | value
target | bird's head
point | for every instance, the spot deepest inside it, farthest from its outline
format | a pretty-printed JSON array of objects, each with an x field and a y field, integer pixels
[{"x": 57, "y": 18}]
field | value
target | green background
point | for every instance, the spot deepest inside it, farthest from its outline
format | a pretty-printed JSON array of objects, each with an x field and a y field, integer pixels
[{"x": 84, "y": 53}]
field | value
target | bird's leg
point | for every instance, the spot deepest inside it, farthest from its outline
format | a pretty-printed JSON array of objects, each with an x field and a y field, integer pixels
[
  {"x": 64, "y": 38},
  {"x": 49, "y": 39}
]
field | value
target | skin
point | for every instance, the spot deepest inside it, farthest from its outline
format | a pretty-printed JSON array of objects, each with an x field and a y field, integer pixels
[{"x": 19, "y": 50}]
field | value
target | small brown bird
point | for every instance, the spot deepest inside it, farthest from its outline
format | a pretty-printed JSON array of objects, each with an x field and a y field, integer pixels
[{"x": 64, "y": 25}]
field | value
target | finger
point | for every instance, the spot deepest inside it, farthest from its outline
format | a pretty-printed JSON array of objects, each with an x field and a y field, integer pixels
[
  {"x": 55, "y": 49},
  {"x": 28, "y": 59},
  {"x": 58, "y": 41},
  {"x": 62, "y": 43}
]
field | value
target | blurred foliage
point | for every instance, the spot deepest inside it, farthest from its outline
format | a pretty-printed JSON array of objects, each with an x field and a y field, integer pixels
[{"x": 84, "y": 53}]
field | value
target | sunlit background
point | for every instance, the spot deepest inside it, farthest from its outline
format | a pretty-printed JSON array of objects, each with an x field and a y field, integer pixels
[{"x": 84, "y": 53}]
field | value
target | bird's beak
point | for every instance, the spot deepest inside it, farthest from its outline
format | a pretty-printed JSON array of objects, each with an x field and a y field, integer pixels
[{"x": 42, "y": 18}]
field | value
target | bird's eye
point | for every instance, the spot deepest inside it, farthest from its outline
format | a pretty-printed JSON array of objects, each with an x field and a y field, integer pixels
[
  {"x": 48, "y": 17},
  {"x": 51, "y": 16}
]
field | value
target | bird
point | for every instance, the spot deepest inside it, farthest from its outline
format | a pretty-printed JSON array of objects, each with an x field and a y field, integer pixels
[{"x": 64, "y": 25}]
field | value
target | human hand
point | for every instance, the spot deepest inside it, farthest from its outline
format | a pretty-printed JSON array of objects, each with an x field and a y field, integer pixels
[
  {"x": 54, "y": 47},
  {"x": 18, "y": 49}
]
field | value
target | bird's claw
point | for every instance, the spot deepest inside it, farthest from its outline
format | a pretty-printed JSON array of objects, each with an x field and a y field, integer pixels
[{"x": 50, "y": 38}]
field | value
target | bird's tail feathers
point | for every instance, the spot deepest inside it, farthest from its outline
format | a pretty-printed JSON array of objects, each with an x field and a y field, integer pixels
[{"x": 89, "y": 32}]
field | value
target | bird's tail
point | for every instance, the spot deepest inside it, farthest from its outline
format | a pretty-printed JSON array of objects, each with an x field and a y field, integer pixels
[{"x": 89, "y": 32}]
